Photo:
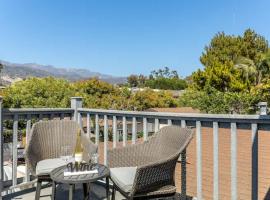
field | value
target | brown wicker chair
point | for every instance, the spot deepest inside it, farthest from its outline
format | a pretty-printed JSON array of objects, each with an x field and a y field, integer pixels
[
  {"x": 45, "y": 143},
  {"x": 147, "y": 169}
]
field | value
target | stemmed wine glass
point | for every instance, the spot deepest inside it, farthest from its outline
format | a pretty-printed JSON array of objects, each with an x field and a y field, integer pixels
[
  {"x": 66, "y": 154},
  {"x": 94, "y": 160}
]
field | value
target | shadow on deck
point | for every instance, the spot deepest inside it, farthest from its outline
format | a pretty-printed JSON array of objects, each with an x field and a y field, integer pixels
[{"x": 98, "y": 192}]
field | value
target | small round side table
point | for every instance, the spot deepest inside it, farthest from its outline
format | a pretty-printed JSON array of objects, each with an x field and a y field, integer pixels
[{"x": 57, "y": 176}]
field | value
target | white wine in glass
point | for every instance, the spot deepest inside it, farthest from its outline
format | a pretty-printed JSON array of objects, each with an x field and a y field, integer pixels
[{"x": 78, "y": 149}]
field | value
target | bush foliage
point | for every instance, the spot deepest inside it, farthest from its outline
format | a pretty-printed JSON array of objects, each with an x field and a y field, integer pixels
[{"x": 53, "y": 92}]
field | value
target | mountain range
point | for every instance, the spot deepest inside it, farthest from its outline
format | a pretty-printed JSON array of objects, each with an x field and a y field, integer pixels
[{"x": 14, "y": 71}]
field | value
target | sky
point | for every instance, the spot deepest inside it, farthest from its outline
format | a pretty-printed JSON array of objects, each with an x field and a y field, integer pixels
[{"x": 122, "y": 37}]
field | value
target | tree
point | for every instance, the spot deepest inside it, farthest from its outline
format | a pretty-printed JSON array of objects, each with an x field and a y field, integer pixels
[
  {"x": 166, "y": 83},
  {"x": 97, "y": 94},
  {"x": 163, "y": 73},
  {"x": 233, "y": 67},
  {"x": 263, "y": 67},
  {"x": 143, "y": 100},
  {"x": 38, "y": 92},
  {"x": 165, "y": 79},
  {"x": 133, "y": 80},
  {"x": 141, "y": 80},
  {"x": 53, "y": 92},
  {"x": 1, "y": 68}
]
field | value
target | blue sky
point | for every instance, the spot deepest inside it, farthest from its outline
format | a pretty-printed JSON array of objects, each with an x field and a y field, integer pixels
[{"x": 121, "y": 37}]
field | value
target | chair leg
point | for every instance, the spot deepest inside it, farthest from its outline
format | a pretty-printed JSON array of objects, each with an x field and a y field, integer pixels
[
  {"x": 107, "y": 188},
  {"x": 113, "y": 193},
  {"x": 38, "y": 189},
  {"x": 53, "y": 190}
]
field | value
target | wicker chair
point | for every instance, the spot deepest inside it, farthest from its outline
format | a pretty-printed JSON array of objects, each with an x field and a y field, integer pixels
[
  {"x": 147, "y": 169},
  {"x": 44, "y": 148}
]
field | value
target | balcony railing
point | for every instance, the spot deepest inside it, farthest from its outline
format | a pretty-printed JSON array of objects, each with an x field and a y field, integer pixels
[{"x": 100, "y": 122}]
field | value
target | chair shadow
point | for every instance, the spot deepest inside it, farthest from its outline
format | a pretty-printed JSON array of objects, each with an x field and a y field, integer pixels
[
  {"x": 267, "y": 196},
  {"x": 176, "y": 196},
  {"x": 97, "y": 193}
]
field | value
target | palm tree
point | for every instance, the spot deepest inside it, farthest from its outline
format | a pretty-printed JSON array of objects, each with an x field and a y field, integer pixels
[
  {"x": 247, "y": 68},
  {"x": 263, "y": 67},
  {"x": 251, "y": 72}
]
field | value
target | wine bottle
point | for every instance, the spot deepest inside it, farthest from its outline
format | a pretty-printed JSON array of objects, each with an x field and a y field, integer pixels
[{"x": 78, "y": 149}]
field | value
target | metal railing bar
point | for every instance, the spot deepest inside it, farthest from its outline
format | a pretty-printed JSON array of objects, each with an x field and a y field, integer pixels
[
  {"x": 199, "y": 160},
  {"x": 134, "y": 130},
  {"x": 97, "y": 128},
  {"x": 215, "y": 162},
  {"x": 124, "y": 124},
  {"x": 233, "y": 161},
  {"x": 28, "y": 132},
  {"x": 156, "y": 125},
  {"x": 183, "y": 123},
  {"x": 196, "y": 116},
  {"x": 254, "y": 162},
  {"x": 145, "y": 129},
  {"x": 88, "y": 125},
  {"x": 105, "y": 138},
  {"x": 114, "y": 131},
  {"x": 14, "y": 150}
]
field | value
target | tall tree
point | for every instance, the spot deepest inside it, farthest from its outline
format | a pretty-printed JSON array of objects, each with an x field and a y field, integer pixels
[
  {"x": 233, "y": 67},
  {"x": 239, "y": 56}
]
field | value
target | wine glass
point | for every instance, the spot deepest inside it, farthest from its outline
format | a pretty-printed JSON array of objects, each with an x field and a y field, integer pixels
[
  {"x": 94, "y": 160},
  {"x": 66, "y": 154}
]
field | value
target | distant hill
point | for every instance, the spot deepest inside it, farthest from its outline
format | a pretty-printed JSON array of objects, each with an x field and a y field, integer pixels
[{"x": 14, "y": 71}]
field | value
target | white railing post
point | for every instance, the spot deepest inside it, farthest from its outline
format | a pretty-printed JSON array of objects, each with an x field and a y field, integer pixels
[
  {"x": 145, "y": 129},
  {"x": 105, "y": 138},
  {"x": 234, "y": 195},
  {"x": 199, "y": 160},
  {"x": 97, "y": 129},
  {"x": 114, "y": 131},
  {"x": 263, "y": 108},
  {"x": 1, "y": 149},
  {"x": 156, "y": 125},
  {"x": 215, "y": 162},
  {"x": 254, "y": 162},
  {"x": 134, "y": 130},
  {"x": 88, "y": 124},
  {"x": 14, "y": 149},
  {"x": 183, "y": 123},
  {"x": 75, "y": 103},
  {"x": 28, "y": 132},
  {"x": 124, "y": 124}
]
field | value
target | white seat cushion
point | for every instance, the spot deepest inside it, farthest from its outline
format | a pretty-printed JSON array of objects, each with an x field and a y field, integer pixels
[
  {"x": 46, "y": 166},
  {"x": 123, "y": 177}
]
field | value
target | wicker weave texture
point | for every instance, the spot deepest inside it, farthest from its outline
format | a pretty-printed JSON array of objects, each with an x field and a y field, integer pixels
[
  {"x": 47, "y": 138},
  {"x": 155, "y": 160}
]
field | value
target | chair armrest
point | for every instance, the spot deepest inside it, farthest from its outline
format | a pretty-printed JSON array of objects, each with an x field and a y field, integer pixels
[
  {"x": 155, "y": 175},
  {"x": 32, "y": 156}
]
